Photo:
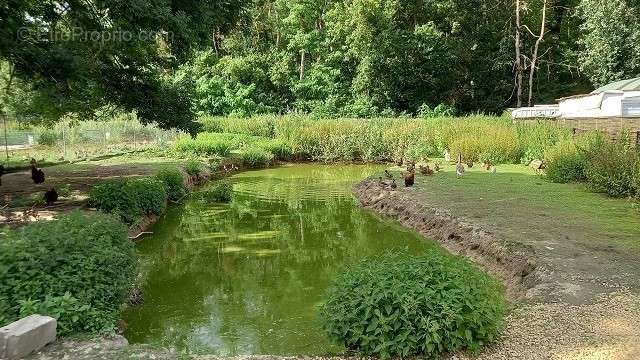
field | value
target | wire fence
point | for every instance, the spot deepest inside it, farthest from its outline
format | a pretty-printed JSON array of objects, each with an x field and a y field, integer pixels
[{"x": 68, "y": 141}]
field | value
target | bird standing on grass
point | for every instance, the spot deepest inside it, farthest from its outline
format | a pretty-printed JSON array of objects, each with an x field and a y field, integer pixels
[
  {"x": 37, "y": 175},
  {"x": 459, "y": 168},
  {"x": 51, "y": 196},
  {"x": 426, "y": 170},
  {"x": 409, "y": 178}
]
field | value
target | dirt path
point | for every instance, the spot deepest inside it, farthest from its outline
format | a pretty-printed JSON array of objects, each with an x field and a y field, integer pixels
[
  {"x": 18, "y": 192},
  {"x": 579, "y": 299}
]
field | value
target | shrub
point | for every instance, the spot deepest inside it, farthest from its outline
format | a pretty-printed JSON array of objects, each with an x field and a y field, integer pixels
[
  {"x": 173, "y": 181},
  {"x": 219, "y": 192},
  {"x": 278, "y": 148},
  {"x": 78, "y": 269},
  {"x": 564, "y": 162},
  {"x": 130, "y": 199},
  {"x": 536, "y": 138},
  {"x": 48, "y": 137},
  {"x": 254, "y": 157},
  {"x": 400, "y": 305},
  {"x": 612, "y": 168},
  {"x": 150, "y": 194},
  {"x": 193, "y": 167},
  {"x": 205, "y": 144}
]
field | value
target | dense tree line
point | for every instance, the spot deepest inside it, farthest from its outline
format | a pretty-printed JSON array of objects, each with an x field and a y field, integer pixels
[{"x": 327, "y": 57}]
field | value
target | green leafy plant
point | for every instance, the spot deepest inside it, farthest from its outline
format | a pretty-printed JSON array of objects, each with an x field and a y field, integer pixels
[
  {"x": 255, "y": 158},
  {"x": 193, "y": 167},
  {"x": 401, "y": 305},
  {"x": 612, "y": 167},
  {"x": 48, "y": 137},
  {"x": 564, "y": 162},
  {"x": 78, "y": 269},
  {"x": 130, "y": 199},
  {"x": 173, "y": 181}
]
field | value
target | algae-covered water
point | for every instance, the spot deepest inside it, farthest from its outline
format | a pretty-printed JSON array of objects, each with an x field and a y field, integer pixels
[{"x": 247, "y": 277}]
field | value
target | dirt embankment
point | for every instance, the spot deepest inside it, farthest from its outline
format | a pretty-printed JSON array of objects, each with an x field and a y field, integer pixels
[{"x": 515, "y": 265}]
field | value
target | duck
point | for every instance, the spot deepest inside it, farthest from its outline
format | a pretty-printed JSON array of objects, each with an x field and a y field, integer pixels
[
  {"x": 459, "y": 167},
  {"x": 487, "y": 165},
  {"x": 409, "y": 178},
  {"x": 426, "y": 170},
  {"x": 51, "y": 196},
  {"x": 393, "y": 184},
  {"x": 37, "y": 175}
]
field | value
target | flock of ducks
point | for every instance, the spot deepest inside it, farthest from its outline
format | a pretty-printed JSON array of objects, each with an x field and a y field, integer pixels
[
  {"x": 426, "y": 170},
  {"x": 38, "y": 177}
]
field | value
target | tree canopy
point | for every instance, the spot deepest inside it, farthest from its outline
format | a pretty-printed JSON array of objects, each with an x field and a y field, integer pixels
[{"x": 326, "y": 57}]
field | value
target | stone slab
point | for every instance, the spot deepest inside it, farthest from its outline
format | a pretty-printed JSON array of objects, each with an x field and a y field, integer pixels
[{"x": 26, "y": 335}]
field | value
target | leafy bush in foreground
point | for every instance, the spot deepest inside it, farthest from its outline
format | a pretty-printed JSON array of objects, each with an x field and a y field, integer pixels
[
  {"x": 78, "y": 269},
  {"x": 130, "y": 199},
  {"x": 174, "y": 183},
  {"x": 400, "y": 305}
]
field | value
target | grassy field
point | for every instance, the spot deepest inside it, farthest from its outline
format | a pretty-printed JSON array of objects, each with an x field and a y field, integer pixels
[{"x": 572, "y": 230}]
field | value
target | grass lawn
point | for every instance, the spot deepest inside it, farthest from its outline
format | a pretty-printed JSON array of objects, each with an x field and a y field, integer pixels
[{"x": 574, "y": 232}]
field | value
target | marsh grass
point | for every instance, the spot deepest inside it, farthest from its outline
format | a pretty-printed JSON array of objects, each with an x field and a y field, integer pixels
[{"x": 476, "y": 138}]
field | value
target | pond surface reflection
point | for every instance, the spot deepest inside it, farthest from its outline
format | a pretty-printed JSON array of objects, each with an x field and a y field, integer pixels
[{"x": 246, "y": 277}]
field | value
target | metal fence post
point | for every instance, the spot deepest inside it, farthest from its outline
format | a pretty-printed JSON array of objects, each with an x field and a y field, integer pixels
[
  {"x": 64, "y": 144},
  {"x": 6, "y": 142}
]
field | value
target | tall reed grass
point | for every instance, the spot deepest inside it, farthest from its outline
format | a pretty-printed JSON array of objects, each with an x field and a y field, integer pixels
[{"x": 476, "y": 138}]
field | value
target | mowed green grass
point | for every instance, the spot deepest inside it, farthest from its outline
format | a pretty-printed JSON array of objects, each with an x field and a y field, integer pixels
[{"x": 518, "y": 202}]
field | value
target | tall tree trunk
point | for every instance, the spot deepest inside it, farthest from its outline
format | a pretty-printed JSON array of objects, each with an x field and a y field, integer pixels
[
  {"x": 302, "y": 56},
  {"x": 519, "y": 67},
  {"x": 534, "y": 57}
]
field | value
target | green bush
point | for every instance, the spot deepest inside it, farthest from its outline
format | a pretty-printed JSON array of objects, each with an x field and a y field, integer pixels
[
  {"x": 130, "y": 199},
  {"x": 193, "y": 167},
  {"x": 78, "y": 269},
  {"x": 278, "y": 148},
  {"x": 48, "y": 137},
  {"x": 612, "y": 168},
  {"x": 564, "y": 162},
  {"x": 400, "y": 305},
  {"x": 221, "y": 192},
  {"x": 255, "y": 158},
  {"x": 173, "y": 181}
]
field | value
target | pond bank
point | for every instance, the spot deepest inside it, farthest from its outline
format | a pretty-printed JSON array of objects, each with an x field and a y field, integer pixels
[
  {"x": 578, "y": 252},
  {"x": 515, "y": 265}
]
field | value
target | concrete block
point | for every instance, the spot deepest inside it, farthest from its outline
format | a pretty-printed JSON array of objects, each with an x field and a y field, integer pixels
[{"x": 26, "y": 335}]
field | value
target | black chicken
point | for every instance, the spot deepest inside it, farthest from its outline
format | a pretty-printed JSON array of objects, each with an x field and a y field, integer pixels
[
  {"x": 37, "y": 175},
  {"x": 51, "y": 196}
]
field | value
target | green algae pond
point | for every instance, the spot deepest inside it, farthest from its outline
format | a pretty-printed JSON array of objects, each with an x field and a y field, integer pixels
[{"x": 247, "y": 277}]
